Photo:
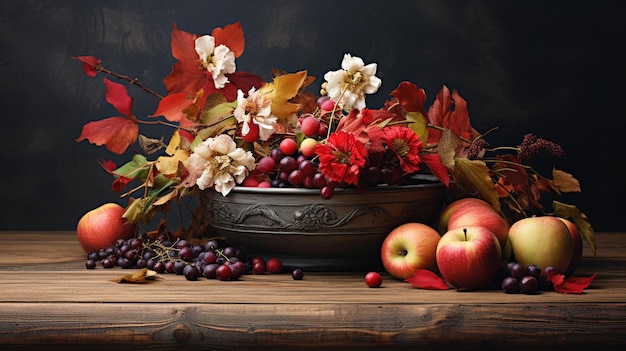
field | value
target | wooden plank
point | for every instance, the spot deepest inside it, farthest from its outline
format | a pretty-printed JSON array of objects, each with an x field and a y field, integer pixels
[{"x": 311, "y": 327}]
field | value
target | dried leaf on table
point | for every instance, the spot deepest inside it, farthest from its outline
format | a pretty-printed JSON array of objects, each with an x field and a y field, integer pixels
[
  {"x": 426, "y": 279},
  {"x": 141, "y": 276}
]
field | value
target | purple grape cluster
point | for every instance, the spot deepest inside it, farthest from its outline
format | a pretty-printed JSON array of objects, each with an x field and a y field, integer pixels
[
  {"x": 213, "y": 260},
  {"x": 526, "y": 280}
]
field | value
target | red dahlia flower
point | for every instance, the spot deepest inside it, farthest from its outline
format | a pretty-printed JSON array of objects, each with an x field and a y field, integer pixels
[
  {"x": 403, "y": 142},
  {"x": 341, "y": 157}
]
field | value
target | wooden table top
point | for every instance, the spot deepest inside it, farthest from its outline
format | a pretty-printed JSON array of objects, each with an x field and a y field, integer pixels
[{"x": 48, "y": 299}]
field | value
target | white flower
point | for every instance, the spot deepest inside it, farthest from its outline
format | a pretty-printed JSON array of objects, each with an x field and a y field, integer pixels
[
  {"x": 349, "y": 85},
  {"x": 255, "y": 109},
  {"x": 219, "y": 60},
  {"x": 220, "y": 163}
]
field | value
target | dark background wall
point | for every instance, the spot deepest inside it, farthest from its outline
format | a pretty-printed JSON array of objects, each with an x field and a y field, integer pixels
[{"x": 555, "y": 68}]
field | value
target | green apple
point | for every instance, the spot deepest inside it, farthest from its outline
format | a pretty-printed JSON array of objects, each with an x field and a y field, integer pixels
[
  {"x": 469, "y": 258},
  {"x": 542, "y": 240},
  {"x": 409, "y": 247}
]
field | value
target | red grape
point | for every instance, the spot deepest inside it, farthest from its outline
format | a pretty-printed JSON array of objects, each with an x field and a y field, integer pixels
[{"x": 310, "y": 126}]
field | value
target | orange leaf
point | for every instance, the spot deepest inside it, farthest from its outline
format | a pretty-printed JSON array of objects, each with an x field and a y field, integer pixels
[
  {"x": 231, "y": 36},
  {"x": 426, "y": 279},
  {"x": 172, "y": 106},
  {"x": 117, "y": 95},
  {"x": 116, "y": 133}
]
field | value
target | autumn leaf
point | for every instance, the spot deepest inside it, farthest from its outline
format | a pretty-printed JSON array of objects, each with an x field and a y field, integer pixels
[
  {"x": 472, "y": 177},
  {"x": 89, "y": 64},
  {"x": 571, "y": 285},
  {"x": 418, "y": 123},
  {"x": 433, "y": 161},
  {"x": 169, "y": 165},
  {"x": 115, "y": 133},
  {"x": 283, "y": 89},
  {"x": 171, "y": 107},
  {"x": 117, "y": 95},
  {"x": 426, "y": 279},
  {"x": 143, "y": 275},
  {"x": 410, "y": 96},
  {"x": 564, "y": 181},
  {"x": 580, "y": 219},
  {"x": 449, "y": 111},
  {"x": 118, "y": 132},
  {"x": 186, "y": 75},
  {"x": 231, "y": 36}
]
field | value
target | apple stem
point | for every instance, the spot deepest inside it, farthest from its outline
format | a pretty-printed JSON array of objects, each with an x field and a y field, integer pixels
[{"x": 465, "y": 233}]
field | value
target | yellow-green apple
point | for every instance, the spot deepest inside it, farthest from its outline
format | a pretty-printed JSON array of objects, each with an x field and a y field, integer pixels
[
  {"x": 409, "y": 247},
  {"x": 102, "y": 227},
  {"x": 577, "y": 246},
  {"x": 444, "y": 217},
  {"x": 542, "y": 240},
  {"x": 480, "y": 214},
  {"x": 469, "y": 258}
]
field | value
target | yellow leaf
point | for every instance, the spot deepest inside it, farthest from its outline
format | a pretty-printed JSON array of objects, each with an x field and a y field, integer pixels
[
  {"x": 580, "y": 219},
  {"x": 168, "y": 165},
  {"x": 144, "y": 275},
  {"x": 283, "y": 89},
  {"x": 174, "y": 144},
  {"x": 565, "y": 182},
  {"x": 419, "y": 124},
  {"x": 472, "y": 176}
]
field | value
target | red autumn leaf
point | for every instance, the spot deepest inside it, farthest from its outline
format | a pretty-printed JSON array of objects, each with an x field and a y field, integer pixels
[
  {"x": 120, "y": 183},
  {"x": 108, "y": 165},
  {"x": 571, "y": 285},
  {"x": 433, "y": 161},
  {"x": 449, "y": 111},
  {"x": 231, "y": 36},
  {"x": 410, "y": 96},
  {"x": 172, "y": 106},
  {"x": 426, "y": 279},
  {"x": 117, "y": 95},
  {"x": 89, "y": 64},
  {"x": 116, "y": 133},
  {"x": 187, "y": 75}
]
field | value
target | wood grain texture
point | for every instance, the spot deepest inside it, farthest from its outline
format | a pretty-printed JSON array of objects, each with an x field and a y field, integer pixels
[{"x": 52, "y": 302}]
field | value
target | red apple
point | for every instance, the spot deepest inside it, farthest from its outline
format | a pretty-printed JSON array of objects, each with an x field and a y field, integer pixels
[
  {"x": 409, "y": 247},
  {"x": 542, "y": 240},
  {"x": 469, "y": 258},
  {"x": 577, "y": 246},
  {"x": 102, "y": 227},
  {"x": 480, "y": 214},
  {"x": 444, "y": 217}
]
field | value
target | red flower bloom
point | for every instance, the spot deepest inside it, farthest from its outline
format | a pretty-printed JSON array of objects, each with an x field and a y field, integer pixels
[
  {"x": 341, "y": 157},
  {"x": 403, "y": 142}
]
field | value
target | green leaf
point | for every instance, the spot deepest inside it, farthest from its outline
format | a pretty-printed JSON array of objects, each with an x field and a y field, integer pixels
[
  {"x": 583, "y": 224},
  {"x": 135, "y": 168}
]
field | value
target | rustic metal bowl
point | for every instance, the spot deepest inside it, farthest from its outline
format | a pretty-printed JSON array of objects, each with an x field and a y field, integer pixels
[{"x": 305, "y": 231}]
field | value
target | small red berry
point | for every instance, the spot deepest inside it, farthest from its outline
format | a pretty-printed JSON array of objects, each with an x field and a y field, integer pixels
[{"x": 373, "y": 280}]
